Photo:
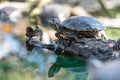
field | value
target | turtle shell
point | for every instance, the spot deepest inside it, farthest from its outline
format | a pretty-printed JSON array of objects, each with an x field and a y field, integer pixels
[{"x": 83, "y": 23}]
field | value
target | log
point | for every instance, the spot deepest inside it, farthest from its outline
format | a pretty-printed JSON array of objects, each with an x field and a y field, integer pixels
[{"x": 84, "y": 48}]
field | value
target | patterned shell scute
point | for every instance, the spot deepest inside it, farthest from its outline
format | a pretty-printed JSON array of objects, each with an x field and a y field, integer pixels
[{"x": 83, "y": 23}]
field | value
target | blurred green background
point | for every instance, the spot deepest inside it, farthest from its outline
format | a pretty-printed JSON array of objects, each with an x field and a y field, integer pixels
[{"x": 16, "y": 63}]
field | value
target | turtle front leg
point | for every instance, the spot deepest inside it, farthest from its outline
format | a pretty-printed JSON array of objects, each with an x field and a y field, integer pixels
[
  {"x": 102, "y": 35},
  {"x": 117, "y": 45},
  {"x": 58, "y": 35}
]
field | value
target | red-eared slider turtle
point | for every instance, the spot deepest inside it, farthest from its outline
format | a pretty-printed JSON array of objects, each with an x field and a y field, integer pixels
[{"x": 78, "y": 27}]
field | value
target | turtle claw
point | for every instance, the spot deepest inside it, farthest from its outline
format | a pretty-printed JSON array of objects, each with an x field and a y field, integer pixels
[
  {"x": 117, "y": 45},
  {"x": 102, "y": 35}
]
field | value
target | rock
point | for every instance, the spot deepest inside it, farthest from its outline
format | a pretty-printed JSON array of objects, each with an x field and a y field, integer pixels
[{"x": 104, "y": 71}]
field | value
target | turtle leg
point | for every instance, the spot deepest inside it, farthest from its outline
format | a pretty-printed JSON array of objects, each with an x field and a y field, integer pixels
[
  {"x": 72, "y": 40},
  {"x": 57, "y": 34},
  {"x": 117, "y": 45},
  {"x": 78, "y": 36},
  {"x": 102, "y": 35},
  {"x": 60, "y": 41}
]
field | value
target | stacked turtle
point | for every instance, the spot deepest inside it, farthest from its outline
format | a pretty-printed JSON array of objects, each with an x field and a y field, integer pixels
[{"x": 78, "y": 27}]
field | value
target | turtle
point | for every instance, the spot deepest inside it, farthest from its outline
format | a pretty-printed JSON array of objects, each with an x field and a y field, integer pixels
[
  {"x": 33, "y": 31},
  {"x": 78, "y": 27}
]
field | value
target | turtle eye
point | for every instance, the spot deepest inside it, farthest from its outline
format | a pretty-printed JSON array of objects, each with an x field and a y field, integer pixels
[{"x": 29, "y": 29}]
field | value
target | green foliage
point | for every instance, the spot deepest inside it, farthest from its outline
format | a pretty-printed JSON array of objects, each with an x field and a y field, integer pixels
[
  {"x": 113, "y": 33},
  {"x": 18, "y": 69},
  {"x": 68, "y": 61},
  {"x": 114, "y": 11},
  {"x": 24, "y": 63},
  {"x": 3, "y": 75},
  {"x": 53, "y": 70},
  {"x": 6, "y": 66}
]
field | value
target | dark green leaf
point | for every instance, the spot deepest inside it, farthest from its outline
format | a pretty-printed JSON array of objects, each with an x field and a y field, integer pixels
[
  {"x": 68, "y": 61},
  {"x": 53, "y": 70}
]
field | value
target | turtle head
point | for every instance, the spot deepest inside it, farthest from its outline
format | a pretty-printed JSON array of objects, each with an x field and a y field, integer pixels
[{"x": 55, "y": 24}]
